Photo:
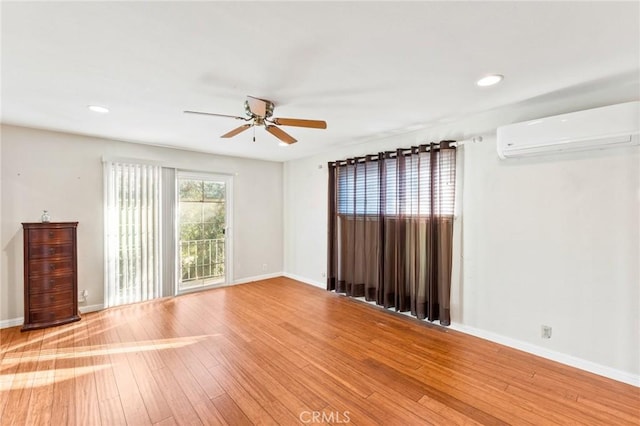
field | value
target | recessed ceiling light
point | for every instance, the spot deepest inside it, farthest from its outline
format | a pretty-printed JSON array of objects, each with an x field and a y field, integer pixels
[
  {"x": 283, "y": 144},
  {"x": 99, "y": 109},
  {"x": 490, "y": 80}
]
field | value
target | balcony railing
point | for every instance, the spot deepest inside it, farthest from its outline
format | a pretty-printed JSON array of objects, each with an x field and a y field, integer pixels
[{"x": 202, "y": 259}]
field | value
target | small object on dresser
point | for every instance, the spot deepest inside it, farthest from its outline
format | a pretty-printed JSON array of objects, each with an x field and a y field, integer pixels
[{"x": 46, "y": 217}]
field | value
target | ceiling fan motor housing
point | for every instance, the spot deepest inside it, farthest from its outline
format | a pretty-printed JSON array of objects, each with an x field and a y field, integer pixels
[{"x": 268, "y": 109}]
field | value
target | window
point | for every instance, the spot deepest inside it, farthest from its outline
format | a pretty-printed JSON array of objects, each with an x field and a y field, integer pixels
[{"x": 409, "y": 193}]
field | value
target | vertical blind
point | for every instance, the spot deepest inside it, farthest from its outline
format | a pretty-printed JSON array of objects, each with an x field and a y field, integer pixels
[{"x": 132, "y": 232}]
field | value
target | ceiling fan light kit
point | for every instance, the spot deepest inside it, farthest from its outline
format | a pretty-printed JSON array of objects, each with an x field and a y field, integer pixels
[{"x": 259, "y": 112}]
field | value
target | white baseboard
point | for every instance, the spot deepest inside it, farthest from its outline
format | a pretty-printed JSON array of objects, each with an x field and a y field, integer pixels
[
  {"x": 582, "y": 364},
  {"x": 19, "y": 321},
  {"x": 305, "y": 280},
  {"x": 257, "y": 278},
  {"x": 11, "y": 322},
  {"x": 90, "y": 308}
]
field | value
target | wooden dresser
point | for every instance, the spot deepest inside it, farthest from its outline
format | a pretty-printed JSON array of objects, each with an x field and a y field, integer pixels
[{"x": 50, "y": 274}]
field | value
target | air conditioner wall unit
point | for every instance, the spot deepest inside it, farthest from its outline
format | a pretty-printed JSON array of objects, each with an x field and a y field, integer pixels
[{"x": 598, "y": 128}]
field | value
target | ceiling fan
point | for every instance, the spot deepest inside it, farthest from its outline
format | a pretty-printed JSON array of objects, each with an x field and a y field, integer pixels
[{"x": 259, "y": 112}]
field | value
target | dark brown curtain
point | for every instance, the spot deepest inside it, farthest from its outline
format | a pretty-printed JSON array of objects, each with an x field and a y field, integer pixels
[{"x": 391, "y": 229}]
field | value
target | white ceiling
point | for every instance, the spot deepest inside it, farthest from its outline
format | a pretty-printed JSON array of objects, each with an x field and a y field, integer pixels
[{"x": 367, "y": 68}]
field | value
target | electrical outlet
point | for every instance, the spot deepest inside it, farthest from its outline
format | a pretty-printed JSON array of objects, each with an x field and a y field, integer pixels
[
  {"x": 264, "y": 267},
  {"x": 545, "y": 331},
  {"x": 324, "y": 275}
]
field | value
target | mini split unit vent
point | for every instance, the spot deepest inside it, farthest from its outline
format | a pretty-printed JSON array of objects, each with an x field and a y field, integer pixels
[{"x": 598, "y": 128}]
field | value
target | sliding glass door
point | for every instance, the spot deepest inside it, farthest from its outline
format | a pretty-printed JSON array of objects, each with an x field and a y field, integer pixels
[{"x": 203, "y": 244}]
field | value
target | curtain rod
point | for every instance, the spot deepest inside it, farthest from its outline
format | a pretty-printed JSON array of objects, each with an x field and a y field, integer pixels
[
  {"x": 474, "y": 139},
  {"x": 393, "y": 154}
]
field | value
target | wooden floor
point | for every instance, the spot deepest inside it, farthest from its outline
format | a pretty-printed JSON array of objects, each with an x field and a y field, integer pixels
[{"x": 281, "y": 352}]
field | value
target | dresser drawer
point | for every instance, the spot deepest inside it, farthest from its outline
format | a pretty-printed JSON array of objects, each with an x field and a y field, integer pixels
[
  {"x": 53, "y": 283},
  {"x": 52, "y": 314},
  {"x": 43, "y": 251},
  {"x": 51, "y": 235},
  {"x": 46, "y": 267},
  {"x": 51, "y": 300}
]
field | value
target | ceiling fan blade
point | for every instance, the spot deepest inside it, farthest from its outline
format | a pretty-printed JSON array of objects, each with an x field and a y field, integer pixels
[
  {"x": 281, "y": 134},
  {"x": 257, "y": 106},
  {"x": 314, "y": 124},
  {"x": 236, "y": 131},
  {"x": 215, "y": 115}
]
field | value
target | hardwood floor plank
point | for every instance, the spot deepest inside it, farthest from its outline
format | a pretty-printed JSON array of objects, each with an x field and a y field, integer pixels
[
  {"x": 111, "y": 413},
  {"x": 448, "y": 412},
  {"x": 181, "y": 408},
  {"x": 199, "y": 371},
  {"x": 208, "y": 413},
  {"x": 589, "y": 405},
  {"x": 98, "y": 348},
  {"x": 274, "y": 399},
  {"x": 154, "y": 401},
  {"x": 276, "y": 366},
  {"x": 232, "y": 414},
  {"x": 11, "y": 358},
  {"x": 245, "y": 402},
  {"x": 361, "y": 412},
  {"x": 192, "y": 356},
  {"x": 279, "y": 352},
  {"x": 169, "y": 421},
  {"x": 63, "y": 410},
  {"x": 44, "y": 379},
  {"x": 394, "y": 412},
  {"x": 88, "y": 412},
  {"x": 9, "y": 340},
  {"x": 133, "y": 407},
  {"x": 19, "y": 394}
]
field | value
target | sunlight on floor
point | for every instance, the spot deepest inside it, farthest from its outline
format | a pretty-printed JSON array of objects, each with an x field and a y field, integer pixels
[
  {"x": 97, "y": 350},
  {"x": 46, "y": 377}
]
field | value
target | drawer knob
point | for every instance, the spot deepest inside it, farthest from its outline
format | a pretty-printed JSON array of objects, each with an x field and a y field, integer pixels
[
  {"x": 52, "y": 298},
  {"x": 52, "y": 266},
  {"x": 50, "y": 234},
  {"x": 52, "y": 250}
]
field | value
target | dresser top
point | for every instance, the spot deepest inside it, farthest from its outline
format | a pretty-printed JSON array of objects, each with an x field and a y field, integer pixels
[{"x": 35, "y": 225}]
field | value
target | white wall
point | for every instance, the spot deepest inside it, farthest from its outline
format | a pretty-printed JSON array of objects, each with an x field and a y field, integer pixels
[
  {"x": 555, "y": 241},
  {"x": 63, "y": 174},
  {"x": 1, "y": 261},
  {"x": 551, "y": 241}
]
